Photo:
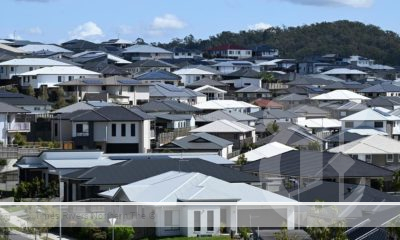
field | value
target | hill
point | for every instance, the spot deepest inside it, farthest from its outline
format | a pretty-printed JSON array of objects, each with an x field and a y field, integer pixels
[{"x": 342, "y": 37}]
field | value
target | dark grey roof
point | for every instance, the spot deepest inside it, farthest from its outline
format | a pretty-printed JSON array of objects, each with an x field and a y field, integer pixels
[
  {"x": 168, "y": 106},
  {"x": 174, "y": 117},
  {"x": 225, "y": 114},
  {"x": 381, "y": 88},
  {"x": 149, "y": 64},
  {"x": 252, "y": 89},
  {"x": 384, "y": 101},
  {"x": 200, "y": 141},
  {"x": 245, "y": 72},
  {"x": 206, "y": 81},
  {"x": 108, "y": 113},
  {"x": 304, "y": 110},
  {"x": 352, "y": 106},
  {"x": 105, "y": 68},
  {"x": 349, "y": 85},
  {"x": 292, "y": 136},
  {"x": 332, "y": 192},
  {"x": 344, "y": 137},
  {"x": 305, "y": 90},
  {"x": 273, "y": 114},
  {"x": 291, "y": 97},
  {"x": 315, "y": 164},
  {"x": 148, "y": 166},
  {"x": 96, "y": 97},
  {"x": 168, "y": 90},
  {"x": 6, "y": 108},
  {"x": 304, "y": 80},
  {"x": 18, "y": 99},
  {"x": 158, "y": 75}
]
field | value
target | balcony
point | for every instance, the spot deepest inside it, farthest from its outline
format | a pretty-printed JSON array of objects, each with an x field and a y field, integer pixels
[{"x": 19, "y": 127}]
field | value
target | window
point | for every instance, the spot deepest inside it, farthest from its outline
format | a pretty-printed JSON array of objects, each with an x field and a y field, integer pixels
[
  {"x": 123, "y": 130},
  {"x": 59, "y": 78},
  {"x": 210, "y": 220},
  {"x": 33, "y": 77},
  {"x": 196, "y": 222},
  {"x": 348, "y": 124},
  {"x": 189, "y": 54},
  {"x": 79, "y": 128},
  {"x": 171, "y": 219},
  {"x": 230, "y": 52},
  {"x": 343, "y": 114},
  {"x": 378, "y": 124},
  {"x": 113, "y": 129},
  {"x": 1, "y": 70},
  {"x": 70, "y": 78},
  {"x": 133, "y": 130},
  {"x": 389, "y": 158},
  {"x": 12, "y": 69},
  {"x": 30, "y": 68},
  {"x": 55, "y": 129},
  {"x": 103, "y": 88},
  {"x": 368, "y": 158},
  {"x": 131, "y": 88}
]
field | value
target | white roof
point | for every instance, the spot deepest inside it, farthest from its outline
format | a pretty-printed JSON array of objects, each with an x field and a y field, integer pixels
[
  {"x": 366, "y": 131},
  {"x": 340, "y": 95},
  {"x": 192, "y": 71},
  {"x": 10, "y": 49},
  {"x": 4, "y": 41},
  {"x": 81, "y": 163},
  {"x": 224, "y": 104},
  {"x": 224, "y": 126},
  {"x": 30, "y": 48},
  {"x": 209, "y": 87},
  {"x": 375, "y": 144},
  {"x": 179, "y": 186},
  {"x": 33, "y": 62},
  {"x": 273, "y": 62},
  {"x": 344, "y": 71},
  {"x": 266, "y": 151},
  {"x": 320, "y": 123},
  {"x": 71, "y": 70},
  {"x": 117, "y": 60},
  {"x": 144, "y": 48},
  {"x": 371, "y": 114}
]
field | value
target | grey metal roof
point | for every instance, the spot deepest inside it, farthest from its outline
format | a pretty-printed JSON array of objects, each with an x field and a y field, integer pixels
[
  {"x": 225, "y": 114},
  {"x": 273, "y": 114},
  {"x": 245, "y": 72},
  {"x": 315, "y": 164},
  {"x": 150, "y": 165},
  {"x": 168, "y": 106},
  {"x": 344, "y": 137},
  {"x": 18, "y": 99},
  {"x": 253, "y": 89},
  {"x": 108, "y": 113},
  {"x": 291, "y": 97},
  {"x": 381, "y": 88},
  {"x": 6, "y": 108},
  {"x": 203, "y": 141},
  {"x": 292, "y": 136},
  {"x": 158, "y": 75},
  {"x": 174, "y": 117},
  {"x": 144, "y": 48},
  {"x": 384, "y": 101},
  {"x": 168, "y": 90},
  {"x": 306, "y": 80},
  {"x": 349, "y": 85},
  {"x": 149, "y": 64},
  {"x": 304, "y": 110},
  {"x": 206, "y": 81}
]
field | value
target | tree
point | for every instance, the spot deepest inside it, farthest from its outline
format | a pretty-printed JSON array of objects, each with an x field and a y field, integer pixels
[
  {"x": 74, "y": 99},
  {"x": 242, "y": 160},
  {"x": 121, "y": 232},
  {"x": 4, "y": 229},
  {"x": 314, "y": 146},
  {"x": 272, "y": 128},
  {"x": 19, "y": 139},
  {"x": 267, "y": 77},
  {"x": 283, "y": 234},
  {"x": 30, "y": 91},
  {"x": 14, "y": 89},
  {"x": 43, "y": 95},
  {"x": 60, "y": 98}
]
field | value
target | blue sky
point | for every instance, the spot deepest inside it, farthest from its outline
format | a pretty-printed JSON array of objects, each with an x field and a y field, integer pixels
[{"x": 56, "y": 21}]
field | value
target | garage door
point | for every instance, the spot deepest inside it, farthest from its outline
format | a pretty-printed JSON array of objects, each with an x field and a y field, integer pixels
[{"x": 122, "y": 148}]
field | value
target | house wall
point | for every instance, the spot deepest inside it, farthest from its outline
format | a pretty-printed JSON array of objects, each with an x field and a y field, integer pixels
[
  {"x": 3, "y": 128},
  {"x": 36, "y": 109},
  {"x": 365, "y": 124},
  {"x": 245, "y": 82},
  {"x": 6, "y": 72},
  {"x": 51, "y": 80}
]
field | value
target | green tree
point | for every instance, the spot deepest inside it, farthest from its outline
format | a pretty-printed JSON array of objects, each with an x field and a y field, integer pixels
[
  {"x": 396, "y": 181},
  {"x": 4, "y": 229},
  {"x": 242, "y": 160},
  {"x": 19, "y": 139},
  {"x": 30, "y": 91},
  {"x": 13, "y": 89},
  {"x": 43, "y": 94},
  {"x": 272, "y": 128},
  {"x": 60, "y": 98},
  {"x": 314, "y": 146},
  {"x": 267, "y": 77},
  {"x": 283, "y": 234},
  {"x": 121, "y": 232}
]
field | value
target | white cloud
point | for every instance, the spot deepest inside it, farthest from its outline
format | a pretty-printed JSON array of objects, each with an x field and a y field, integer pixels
[
  {"x": 35, "y": 30},
  {"x": 126, "y": 30},
  {"x": 86, "y": 30},
  {"x": 168, "y": 21},
  {"x": 14, "y": 36},
  {"x": 259, "y": 26},
  {"x": 351, "y": 3}
]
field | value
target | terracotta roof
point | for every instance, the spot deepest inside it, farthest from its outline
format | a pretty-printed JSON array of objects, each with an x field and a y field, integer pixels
[{"x": 266, "y": 103}]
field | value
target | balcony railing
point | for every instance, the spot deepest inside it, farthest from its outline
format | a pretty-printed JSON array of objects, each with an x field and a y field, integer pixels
[{"x": 19, "y": 127}]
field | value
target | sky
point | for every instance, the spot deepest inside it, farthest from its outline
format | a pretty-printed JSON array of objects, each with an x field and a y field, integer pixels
[{"x": 57, "y": 21}]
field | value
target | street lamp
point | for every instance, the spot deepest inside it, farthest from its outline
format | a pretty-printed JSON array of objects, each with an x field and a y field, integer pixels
[{"x": 112, "y": 222}]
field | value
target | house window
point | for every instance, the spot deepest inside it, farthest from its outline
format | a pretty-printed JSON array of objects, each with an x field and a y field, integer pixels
[
  {"x": 210, "y": 221},
  {"x": 348, "y": 124},
  {"x": 59, "y": 78},
  {"x": 196, "y": 222},
  {"x": 171, "y": 219},
  {"x": 131, "y": 88},
  {"x": 368, "y": 158},
  {"x": 123, "y": 130},
  {"x": 189, "y": 54},
  {"x": 79, "y": 128},
  {"x": 343, "y": 114},
  {"x": 389, "y": 158},
  {"x": 176, "y": 54},
  {"x": 30, "y": 68},
  {"x": 12, "y": 69},
  {"x": 1, "y": 70},
  {"x": 133, "y": 130},
  {"x": 103, "y": 88},
  {"x": 230, "y": 52},
  {"x": 33, "y": 77},
  {"x": 378, "y": 124},
  {"x": 113, "y": 129},
  {"x": 70, "y": 78}
]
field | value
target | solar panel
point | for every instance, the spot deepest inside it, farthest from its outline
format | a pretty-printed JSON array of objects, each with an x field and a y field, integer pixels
[{"x": 93, "y": 81}]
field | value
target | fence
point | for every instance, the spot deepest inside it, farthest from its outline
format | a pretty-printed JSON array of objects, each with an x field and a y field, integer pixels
[
  {"x": 167, "y": 137},
  {"x": 233, "y": 154},
  {"x": 13, "y": 152}
]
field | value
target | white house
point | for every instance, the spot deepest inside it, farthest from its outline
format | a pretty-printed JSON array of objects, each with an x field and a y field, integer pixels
[
  {"x": 227, "y": 67},
  {"x": 8, "y": 124},
  {"x": 212, "y": 93},
  {"x": 346, "y": 74},
  {"x": 50, "y": 76},
  {"x": 341, "y": 95},
  {"x": 14, "y": 67},
  {"x": 239, "y": 106},
  {"x": 196, "y": 220},
  {"x": 190, "y": 75},
  {"x": 244, "y": 82},
  {"x": 144, "y": 51},
  {"x": 230, "y": 51}
]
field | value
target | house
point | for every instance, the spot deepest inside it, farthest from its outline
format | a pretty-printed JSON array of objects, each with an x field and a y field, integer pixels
[
  {"x": 311, "y": 81},
  {"x": 189, "y": 75},
  {"x": 212, "y": 93},
  {"x": 168, "y": 106},
  {"x": 80, "y": 45},
  {"x": 192, "y": 221},
  {"x": 340, "y": 95},
  {"x": 161, "y": 91},
  {"x": 33, "y": 105},
  {"x": 243, "y": 82},
  {"x": 376, "y": 118},
  {"x": 239, "y": 106},
  {"x": 185, "y": 53},
  {"x": 392, "y": 103},
  {"x": 266, "y": 151},
  {"x": 321, "y": 127},
  {"x": 291, "y": 100},
  {"x": 96, "y": 56},
  {"x": 41, "y": 49},
  {"x": 305, "y": 112},
  {"x": 265, "y": 51},
  {"x": 350, "y": 135},
  {"x": 233, "y": 66},
  {"x": 230, "y": 115},
  {"x": 144, "y": 51},
  {"x": 113, "y": 129},
  {"x": 340, "y": 110},
  {"x": 346, "y": 74},
  {"x": 159, "y": 76},
  {"x": 10, "y": 123},
  {"x": 383, "y": 89},
  {"x": 244, "y": 72},
  {"x": 142, "y": 66},
  {"x": 50, "y": 76},
  {"x": 267, "y": 104},
  {"x": 230, "y": 51},
  {"x": 117, "y": 42},
  {"x": 166, "y": 122},
  {"x": 347, "y": 85},
  {"x": 120, "y": 90},
  {"x": 251, "y": 93},
  {"x": 278, "y": 64},
  {"x": 86, "y": 105},
  {"x": 15, "y": 67},
  {"x": 200, "y": 142},
  {"x": 376, "y": 149},
  {"x": 274, "y": 115},
  {"x": 236, "y": 132},
  {"x": 306, "y": 167}
]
